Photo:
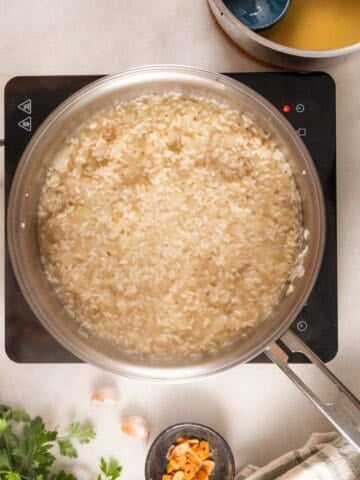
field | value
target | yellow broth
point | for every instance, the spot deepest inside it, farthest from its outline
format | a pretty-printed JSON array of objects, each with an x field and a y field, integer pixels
[{"x": 318, "y": 25}]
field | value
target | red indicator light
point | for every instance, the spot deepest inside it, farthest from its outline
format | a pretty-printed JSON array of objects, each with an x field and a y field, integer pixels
[{"x": 286, "y": 108}]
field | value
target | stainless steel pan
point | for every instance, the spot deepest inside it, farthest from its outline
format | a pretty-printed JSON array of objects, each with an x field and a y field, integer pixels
[{"x": 344, "y": 410}]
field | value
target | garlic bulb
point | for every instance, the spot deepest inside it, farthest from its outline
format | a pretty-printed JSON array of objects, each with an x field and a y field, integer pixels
[
  {"x": 136, "y": 427},
  {"x": 107, "y": 395}
]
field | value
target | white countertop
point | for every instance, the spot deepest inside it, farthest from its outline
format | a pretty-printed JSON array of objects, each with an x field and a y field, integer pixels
[{"x": 254, "y": 406}]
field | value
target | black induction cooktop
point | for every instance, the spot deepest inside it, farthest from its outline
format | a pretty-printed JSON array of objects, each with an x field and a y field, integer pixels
[{"x": 306, "y": 99}]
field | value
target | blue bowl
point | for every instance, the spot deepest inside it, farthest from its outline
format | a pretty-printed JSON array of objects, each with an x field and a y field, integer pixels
[{"x": 258, "y": 14}]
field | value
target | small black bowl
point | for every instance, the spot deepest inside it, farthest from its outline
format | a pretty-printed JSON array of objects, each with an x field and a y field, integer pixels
[{"x": 155, "y": 465}]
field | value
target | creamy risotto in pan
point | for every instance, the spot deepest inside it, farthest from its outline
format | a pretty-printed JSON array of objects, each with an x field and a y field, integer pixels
[{"x": 170, "y": 224}]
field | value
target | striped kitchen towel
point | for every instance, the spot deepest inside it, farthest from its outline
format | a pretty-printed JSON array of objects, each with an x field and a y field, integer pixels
[{"x": 325, "y": 456}]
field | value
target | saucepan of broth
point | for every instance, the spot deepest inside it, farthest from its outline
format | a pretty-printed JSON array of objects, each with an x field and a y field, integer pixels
[{"x": 320, "y": 31}]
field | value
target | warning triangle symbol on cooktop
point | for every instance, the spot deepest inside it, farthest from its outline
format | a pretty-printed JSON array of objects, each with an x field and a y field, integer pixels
[
  {"x": 26, "y": 124},
  {"x": 25, "y": 106}
]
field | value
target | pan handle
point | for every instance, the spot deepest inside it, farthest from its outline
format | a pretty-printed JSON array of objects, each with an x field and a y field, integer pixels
[{"x": 343, "y": 411}]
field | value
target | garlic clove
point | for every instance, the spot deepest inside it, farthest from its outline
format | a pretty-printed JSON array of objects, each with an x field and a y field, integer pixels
[
  {"x": 136, "y": 427},
  {"x": 107, "y": 395}
]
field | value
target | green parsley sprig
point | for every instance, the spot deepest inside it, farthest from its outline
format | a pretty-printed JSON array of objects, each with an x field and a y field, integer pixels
[
  {"x": 28, "y": 455},
  {"x": 110, "y": 470}
]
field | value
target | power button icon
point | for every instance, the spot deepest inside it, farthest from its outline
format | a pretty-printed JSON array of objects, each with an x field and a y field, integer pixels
[
  {"x": 302, "y": 326},
  {"x": 300, "y": 108}
]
